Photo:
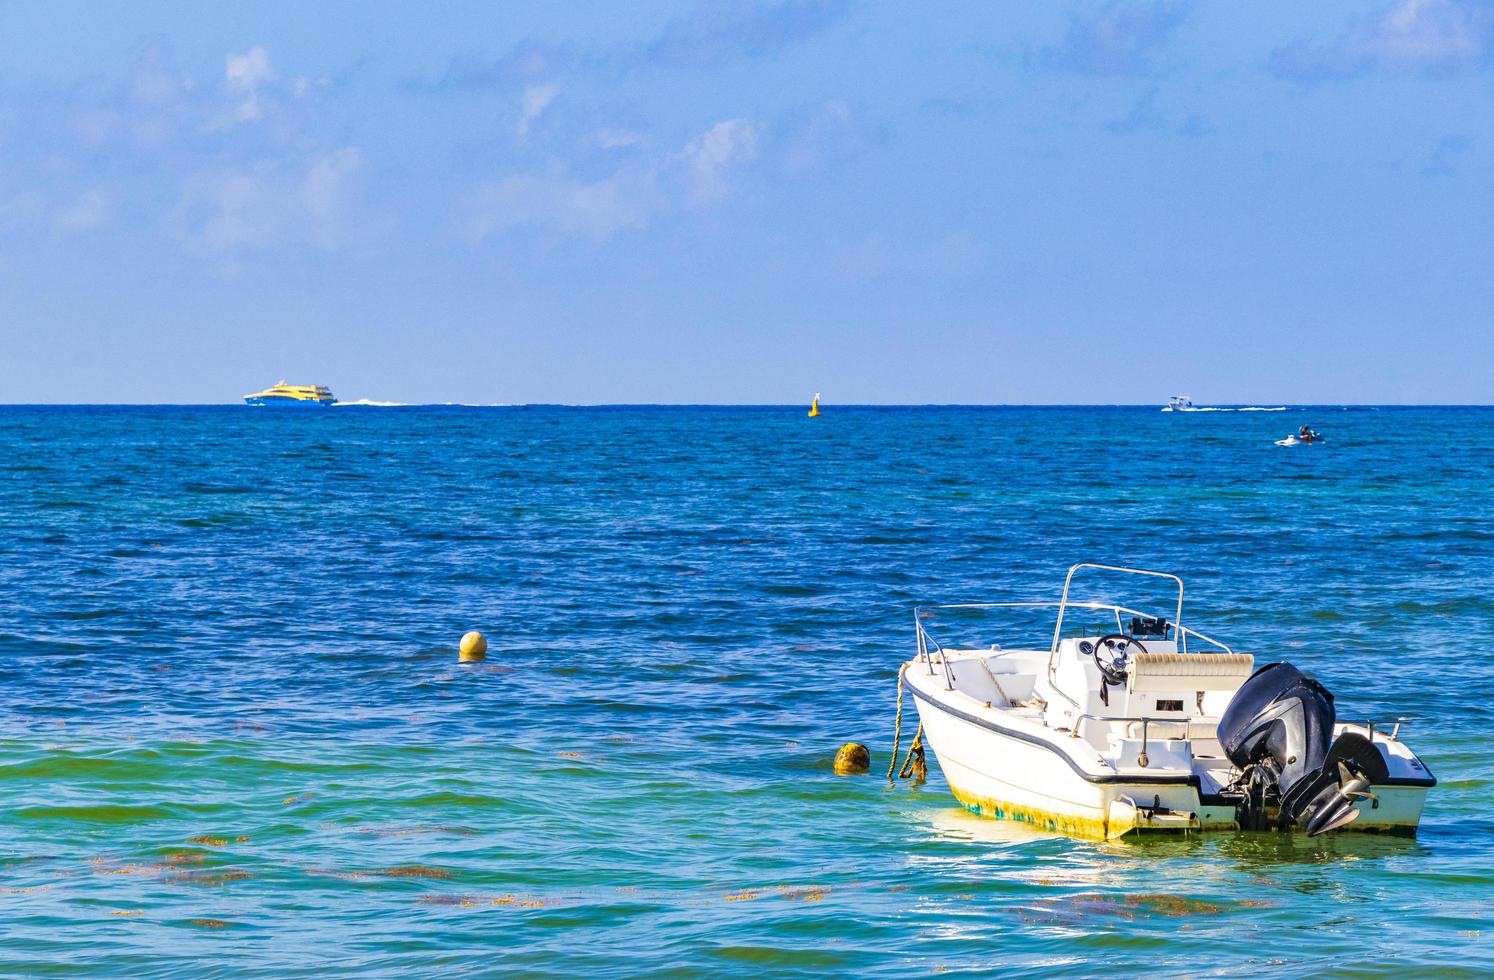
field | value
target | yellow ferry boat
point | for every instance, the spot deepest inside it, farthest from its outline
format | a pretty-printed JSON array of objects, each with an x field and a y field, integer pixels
[{"x": 284, "y": 394}]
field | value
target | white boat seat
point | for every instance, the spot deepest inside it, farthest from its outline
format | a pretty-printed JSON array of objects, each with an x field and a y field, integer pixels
[
  {"x": 1151, "y": 672},
  {"x": 1208, "y": 747}
]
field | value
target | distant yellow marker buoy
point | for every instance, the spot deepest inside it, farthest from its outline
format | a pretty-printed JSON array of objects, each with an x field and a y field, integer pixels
[
  {"x": 474, "y": 647},
  {"x": 852, "y": 759},
  {"x": 814, "y": 406}
]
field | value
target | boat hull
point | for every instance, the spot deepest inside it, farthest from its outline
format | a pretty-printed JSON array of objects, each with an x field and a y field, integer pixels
[
  {"x": 1012, "y": 777},
  {"x": 286, "y": 402},
  {"x": 1016, "y": 774}
]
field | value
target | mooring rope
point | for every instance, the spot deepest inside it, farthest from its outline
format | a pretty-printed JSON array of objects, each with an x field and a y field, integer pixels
[
  {"x": 897, "y": 724},
  {"x": 914, "y": 764}
]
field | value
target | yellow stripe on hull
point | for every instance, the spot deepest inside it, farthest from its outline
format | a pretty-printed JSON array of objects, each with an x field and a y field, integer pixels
[{"x": 1064, "y": 823}]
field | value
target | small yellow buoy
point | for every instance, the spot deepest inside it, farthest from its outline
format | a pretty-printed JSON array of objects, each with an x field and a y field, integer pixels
[
  {"x": 474, "y": 647},
  {"x": 814, "y": 406},
  {"x": 852, "y": 759}
]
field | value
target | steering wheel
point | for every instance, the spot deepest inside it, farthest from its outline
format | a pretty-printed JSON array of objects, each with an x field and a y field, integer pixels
[{"x": 1111, "y": 652}]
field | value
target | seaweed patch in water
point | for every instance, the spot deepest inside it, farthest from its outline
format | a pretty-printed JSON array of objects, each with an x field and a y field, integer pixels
[
  {"x": 483, "y": 901},
  {"x": 412, "y": 871},
  {"x": 811, "y": 893},
  {"x": 1076, "y": 908},
  {"x": 207, "y": 877}
]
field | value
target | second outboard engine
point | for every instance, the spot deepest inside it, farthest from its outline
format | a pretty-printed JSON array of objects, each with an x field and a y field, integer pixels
[{"x": 1278, "y": 730}]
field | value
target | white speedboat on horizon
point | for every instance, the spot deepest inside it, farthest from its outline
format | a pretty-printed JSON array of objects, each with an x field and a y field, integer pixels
[
  {"x": 1122, "y": 728},
  {"x": 1178, "y": 403}
]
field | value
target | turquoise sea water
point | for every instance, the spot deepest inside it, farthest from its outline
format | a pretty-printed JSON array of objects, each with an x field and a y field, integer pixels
[{"x": 234, "y": 738}]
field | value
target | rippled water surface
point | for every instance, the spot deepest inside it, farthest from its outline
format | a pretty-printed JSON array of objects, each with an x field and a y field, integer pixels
[{"x": 235, "y": 738}]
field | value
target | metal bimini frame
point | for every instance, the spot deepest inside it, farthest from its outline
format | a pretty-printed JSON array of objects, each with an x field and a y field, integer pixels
[
  {"x": 1063, "y": 601},
  {"x": 927, "y": 641}
]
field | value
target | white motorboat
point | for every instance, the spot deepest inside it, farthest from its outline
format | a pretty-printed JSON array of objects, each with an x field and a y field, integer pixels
[
  {"x": 1120, "y": 727},
  {"x": 1178, "y": 403}
]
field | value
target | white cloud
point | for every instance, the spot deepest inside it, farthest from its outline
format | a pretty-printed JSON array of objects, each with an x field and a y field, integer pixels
[
  {"x": 711, "y": 34},
  {"x": 229, "y": 212},
  {"x": 1419, "y": 31},
  {"x": 1120, "y": 37},
  {"x": 95, "y": 127},
  {"x": 560, "y": 203},
  {"x": 158, "y": 104},
  {"x": 225, "y": 212},
  {"x": 615, "y": 139},
  {"x": 152, "y": 83},
  {"x": 955, "y": 256},
  {"x": 331, "y": 192},
  {"x": 710, "y": 157},
  {"x": 869, "y": 258},
  {"x": 154, "y": 134},
  {"x": 22, "y": 210},
  {"x": 535, "y": 101},
  {"x": 821, "y": 137},
  {"x": 63, "y": 214},
  {"x": 1412, "y": 35},
  {"x": 90, "y": 210},
  {"x": 243, "y": 74}
]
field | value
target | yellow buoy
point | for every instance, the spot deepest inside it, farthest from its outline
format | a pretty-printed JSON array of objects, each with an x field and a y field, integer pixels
[
  {"x": 814, "y": 406},
  {"x": 852, "y": 759},
  {"x": 474, "y": 647}
]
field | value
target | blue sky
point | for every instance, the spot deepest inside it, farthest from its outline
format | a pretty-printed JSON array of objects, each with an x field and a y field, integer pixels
[{"x": 748, "y": 202}]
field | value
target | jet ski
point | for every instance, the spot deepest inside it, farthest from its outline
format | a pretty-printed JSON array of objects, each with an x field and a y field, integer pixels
[{"x": 1304, "y": 438}]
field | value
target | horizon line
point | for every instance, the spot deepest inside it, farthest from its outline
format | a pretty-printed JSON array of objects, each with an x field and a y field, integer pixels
[{"x": 371, "y": 403}]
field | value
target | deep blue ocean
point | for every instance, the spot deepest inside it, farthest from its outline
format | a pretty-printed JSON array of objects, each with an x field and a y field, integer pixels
[{"x": 235, "y": 740}]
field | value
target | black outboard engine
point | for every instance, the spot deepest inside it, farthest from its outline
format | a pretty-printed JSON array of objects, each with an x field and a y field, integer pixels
[{"x": 1278, "y": 730}]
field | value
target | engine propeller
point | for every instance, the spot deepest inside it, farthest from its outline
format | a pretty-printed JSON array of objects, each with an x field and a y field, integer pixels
[{"x": 1339, "y": 810}]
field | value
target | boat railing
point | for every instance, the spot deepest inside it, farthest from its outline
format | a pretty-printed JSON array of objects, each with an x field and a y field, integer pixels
[
  {"x": 924, "y": 641},
  {"x": 1370, "y": 727},
  {"x": 1183, "y": 632},
  {"x": 1185, "y": 723}
]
